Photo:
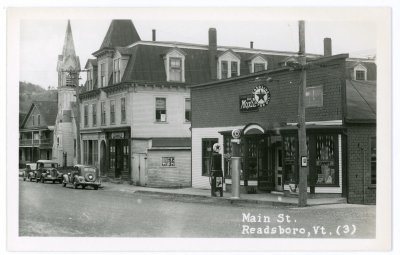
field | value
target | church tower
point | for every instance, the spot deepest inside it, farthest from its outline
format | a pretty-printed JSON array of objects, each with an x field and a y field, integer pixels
[{"x": 65, "y": 130}]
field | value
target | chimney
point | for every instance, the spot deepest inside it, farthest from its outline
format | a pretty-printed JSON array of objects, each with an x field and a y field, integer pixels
[
  {"x": 212, "y": 52},
  {"x": 251, "y": 45},
  {"x": 327, "y": 47},
  {"x": 154, "y": 35}
]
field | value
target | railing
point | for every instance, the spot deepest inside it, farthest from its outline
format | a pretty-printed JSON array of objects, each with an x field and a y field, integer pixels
[{"x": 34, "y": 142}]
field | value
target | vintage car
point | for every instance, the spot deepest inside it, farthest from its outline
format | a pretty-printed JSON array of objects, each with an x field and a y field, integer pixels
[
  {"x": 83, "y": 176},
  {"x": 46, "y": 170},
  {"x": 29, "y": 172}
]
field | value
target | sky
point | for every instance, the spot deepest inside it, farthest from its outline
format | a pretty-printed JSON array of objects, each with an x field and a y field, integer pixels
[{"x": 41, "y": 40}]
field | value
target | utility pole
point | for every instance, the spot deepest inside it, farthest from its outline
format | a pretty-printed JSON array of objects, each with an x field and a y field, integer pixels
[{"x": 302, "y": 161}]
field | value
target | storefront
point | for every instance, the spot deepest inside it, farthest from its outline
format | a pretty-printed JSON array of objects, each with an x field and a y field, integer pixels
[
  {"x": 264, "y": 106},
  {"x": 118, "y": 150}
]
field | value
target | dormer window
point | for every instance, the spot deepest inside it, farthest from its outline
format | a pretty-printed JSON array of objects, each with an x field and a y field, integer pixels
[
  {"x": 228, "y": 65},
  {"x": 175, "y": 69},
  {"x": 117, "y": 70},
  {"x": 360, "y": 73},
  {"x": 258, "y": 63},
  {"x": 174, "y": 61}
]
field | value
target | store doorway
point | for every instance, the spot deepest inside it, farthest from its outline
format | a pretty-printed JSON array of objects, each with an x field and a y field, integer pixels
[
  {"x": 278, "y": 168},
  {"x": 103, "y": 158},
  {"x": 139, "y": 169}
]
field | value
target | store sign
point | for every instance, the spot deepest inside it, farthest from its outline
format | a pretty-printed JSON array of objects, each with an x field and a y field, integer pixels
[
  {"x": 117, "y": 135},
  {"x": 247, "y": 103},
  {"x": 261, "y": 95}
]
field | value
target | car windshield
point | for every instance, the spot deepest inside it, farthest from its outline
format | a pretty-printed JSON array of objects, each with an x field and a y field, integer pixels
[
  {"x": 31, "y": 166},
  {"x": 89, "y": 169}
]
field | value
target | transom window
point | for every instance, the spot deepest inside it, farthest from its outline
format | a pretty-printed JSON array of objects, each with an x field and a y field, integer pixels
[
  {"x": 161, "y": 109},
  {"x": 175, "y": 69}
]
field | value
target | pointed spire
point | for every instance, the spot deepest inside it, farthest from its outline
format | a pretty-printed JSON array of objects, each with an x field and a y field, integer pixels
[{"x": 68, "y": 49}]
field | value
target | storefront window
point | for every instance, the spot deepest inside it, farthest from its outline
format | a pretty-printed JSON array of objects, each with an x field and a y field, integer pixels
[
  {"x": 207, "y": 150},
  {"x": 326, "y": 167},
  {"x": 289, "y": 159}
]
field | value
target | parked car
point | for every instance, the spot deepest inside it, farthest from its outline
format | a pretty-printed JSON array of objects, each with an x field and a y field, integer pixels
[
  {"x": 46, "y": 170},
  {"x": 83, "y": 176},
  {"x": 29, "y": 171}
]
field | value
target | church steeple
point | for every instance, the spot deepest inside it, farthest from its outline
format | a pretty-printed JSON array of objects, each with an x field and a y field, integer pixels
[
  {"x": 68, "y": 65},
  {"x": 69, "y": 48}
]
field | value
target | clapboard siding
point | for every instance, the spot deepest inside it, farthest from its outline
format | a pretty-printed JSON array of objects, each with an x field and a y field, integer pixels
[
  {"x": 161, "y": 176},
  {"x": 143, "y": 114},
  {"x": 199, "y": 181}
]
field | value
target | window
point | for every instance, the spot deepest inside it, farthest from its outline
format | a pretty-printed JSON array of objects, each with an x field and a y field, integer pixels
[
  {"x": 103, "y": 113},
  {"x": 373, "y": 160},
  {"x": 33, "y": 120},
  {"x": 207, "y": 150},
  {"x": 117, "y": 72},
  {"x": 168, "y": 161},
  {"x": 94, "y": 114},
  {"x": 224, "y": 69},
  {"x": 38, "y": 120},
  {"x": 314, "y": 97},
  {"x": 326, "y": 165},
  {"x": 161, "y": 109},
  {"x": 123, "y": 110},
  {"x": 259, "y": 67},
  {"x": 234, "y": 69},
  {"x": 58, "y": 141},
  {"x": 112, "y": 112},
  {"x": 102, "y": 75},
  {"x": 85, "y": 114},
  {"x": 175, "y": 69},
  {"x": 188, "y": 110},
  {"x": 360, "y": 75}
]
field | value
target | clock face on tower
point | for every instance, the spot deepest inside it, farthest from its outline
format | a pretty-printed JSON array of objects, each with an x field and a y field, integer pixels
[{"x": 261, "y": 95}]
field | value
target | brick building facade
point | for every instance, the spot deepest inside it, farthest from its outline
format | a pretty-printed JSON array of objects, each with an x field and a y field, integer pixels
[{"x": 269, "y": 142}]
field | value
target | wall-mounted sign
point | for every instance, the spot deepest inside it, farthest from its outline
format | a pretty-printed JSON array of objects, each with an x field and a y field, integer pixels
[
  {"x": 117, "y": 135},
  {"x": 261, "y": 95},
  {"x": 247, "y": 103},
  {"x": 303, "y": 161}
]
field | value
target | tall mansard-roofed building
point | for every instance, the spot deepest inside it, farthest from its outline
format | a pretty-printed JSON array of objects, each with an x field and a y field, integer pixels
[{"x": 135, "y": 120}]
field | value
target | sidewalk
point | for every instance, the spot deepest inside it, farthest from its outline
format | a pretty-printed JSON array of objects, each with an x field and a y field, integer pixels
[{"x": 265, "y": 199}]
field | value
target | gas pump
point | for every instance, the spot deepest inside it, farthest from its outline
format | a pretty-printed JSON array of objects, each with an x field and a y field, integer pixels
[{"x": 216, "y": 175}]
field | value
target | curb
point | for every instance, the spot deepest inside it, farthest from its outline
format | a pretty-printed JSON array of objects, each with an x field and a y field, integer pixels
[{"x": 226, "y": 199}]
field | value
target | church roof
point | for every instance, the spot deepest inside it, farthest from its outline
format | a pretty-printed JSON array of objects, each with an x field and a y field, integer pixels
[{"x": 121, "y": 33}]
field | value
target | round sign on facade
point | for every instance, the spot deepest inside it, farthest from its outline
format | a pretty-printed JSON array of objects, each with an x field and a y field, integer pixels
[{"x": 261, "y": 95}]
